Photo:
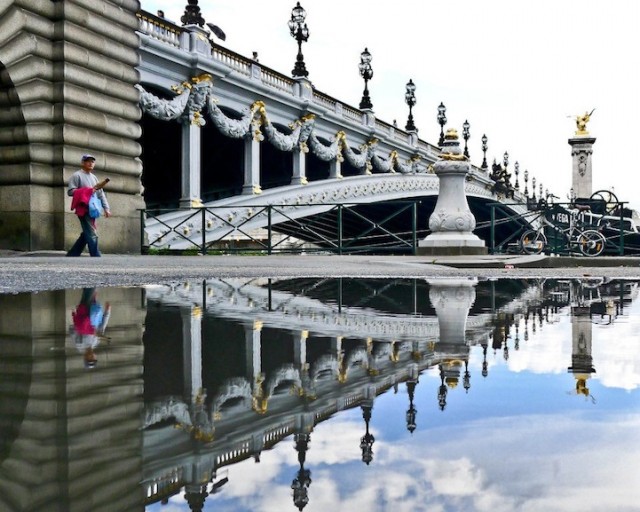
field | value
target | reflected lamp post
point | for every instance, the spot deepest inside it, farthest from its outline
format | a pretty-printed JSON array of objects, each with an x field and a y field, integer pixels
[
  {"x": 526, "y": 186},
  {"x": 484, "y": 152},
  {"x": 300, "y": 33},
  {"x": 466, "y": 133},
  {"x": 410, "y": 99},
  {"x": 505, "y": 160},
  {"x": 442, "y": 120},
  {"x": 516, "y": 168},
  {"x": 366, "y": 72}
]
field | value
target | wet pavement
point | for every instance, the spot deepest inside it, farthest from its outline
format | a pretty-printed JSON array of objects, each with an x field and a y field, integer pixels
[{"x": 22, "y": 272}]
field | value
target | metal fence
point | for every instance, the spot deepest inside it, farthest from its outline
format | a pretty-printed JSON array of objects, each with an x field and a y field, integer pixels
[{"x": 389, "y": 227}]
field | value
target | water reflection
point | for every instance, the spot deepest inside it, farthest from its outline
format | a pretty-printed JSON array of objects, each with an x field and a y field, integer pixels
[{"x": 400, "y": 394}]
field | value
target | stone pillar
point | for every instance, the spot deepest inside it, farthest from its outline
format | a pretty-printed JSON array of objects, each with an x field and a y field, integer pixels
[
  {"x": 192, "y": 351},
  {"x": 190, "y": 166},
  {"x": 69, "y": 70},
  {"x": 251, "y": 166},
  {"x": 299, "y": 168},
  {"x": 452, "y": 222},
  {"x": 581, "y": 176},
  {"x": 335, "y": 169}
]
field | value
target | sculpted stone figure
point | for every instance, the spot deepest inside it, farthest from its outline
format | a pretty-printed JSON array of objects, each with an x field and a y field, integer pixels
[{"x": 581, "y": 123}]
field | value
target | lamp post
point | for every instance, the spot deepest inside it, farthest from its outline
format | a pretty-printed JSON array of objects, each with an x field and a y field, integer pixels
[
  {"x": 410, "y": 99},
  {"x": 484, "y": 151},
  {"x": 300, "y": 33},
  {"x": 466, "y": 133},
  {"x": 442, "y": 120},
  {"x": 526, "y": 179},
  {"x": 533, "y": 186},
  {"x": 505, "y": 160},
  {"x": 366, "y": 72},
  {"x": 516, "y": 170}
]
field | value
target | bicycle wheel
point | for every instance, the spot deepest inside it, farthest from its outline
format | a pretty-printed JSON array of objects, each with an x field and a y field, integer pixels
[
  {"x": 532, "y": 242},
  {"x": 591, "y": 242}
]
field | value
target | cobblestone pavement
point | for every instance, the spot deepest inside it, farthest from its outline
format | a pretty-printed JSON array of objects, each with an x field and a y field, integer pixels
[{"x": 50, "y": 271}]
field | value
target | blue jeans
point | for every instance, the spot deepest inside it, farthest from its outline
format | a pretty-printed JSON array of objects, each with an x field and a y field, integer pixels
[{"x": 88, "y": 237}]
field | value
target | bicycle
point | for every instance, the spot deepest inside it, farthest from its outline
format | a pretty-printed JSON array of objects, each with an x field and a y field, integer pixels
[{"x": 588, "y": 242}]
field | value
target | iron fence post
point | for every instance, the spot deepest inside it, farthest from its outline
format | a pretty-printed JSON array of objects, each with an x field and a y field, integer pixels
[
  {"x": 339, "y": 229},
  {"x": 493, "y": 229},
  {"x": 414, "y": 227},
  {"x": 269, "y": 233},
  {"x": 621, "y": 243},
  {"x": 203, "y": 250}
]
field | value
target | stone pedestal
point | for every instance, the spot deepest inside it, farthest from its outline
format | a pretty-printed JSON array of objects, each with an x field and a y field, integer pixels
[
  {"x": 581, "y": 177},
  {"x": 452, "y": 222}
]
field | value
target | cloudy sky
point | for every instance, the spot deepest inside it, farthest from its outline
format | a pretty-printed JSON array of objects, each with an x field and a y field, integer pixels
[
  {"x": 519, "y": 439},
  {"x": 515, "y": 70}
]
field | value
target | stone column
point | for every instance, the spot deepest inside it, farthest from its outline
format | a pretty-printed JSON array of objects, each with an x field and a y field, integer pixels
[
  {"x": 299, "y": 168},
  {"x": 251, "y": 166},
  {"x": 68, "y": 71},
  {"x": 335, "y": 169},
  {"x": 581, "y": 151},
  {"x": 190, "y": 168},
  {"x": 452, "y": 222}
]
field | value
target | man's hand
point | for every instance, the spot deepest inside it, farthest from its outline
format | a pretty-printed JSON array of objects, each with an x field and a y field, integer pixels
[{"x": 107, "y": 213}]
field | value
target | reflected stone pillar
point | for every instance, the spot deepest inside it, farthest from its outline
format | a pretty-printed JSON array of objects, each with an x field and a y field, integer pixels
[
  {"x": 452, "y": 222},
  {"x": 192, "y": 351},
  {"x": 251, "y": 184},
  {"x": 252, "y": 336},
  {"x": 190, "y": 167},
  {"x": 581, "y": 358},
  {"x": 299, "y": 168},
  {"x": 300, "y": 349},
  {"x": 581, "y": 151},
  {"x": 452, "y": 299}
]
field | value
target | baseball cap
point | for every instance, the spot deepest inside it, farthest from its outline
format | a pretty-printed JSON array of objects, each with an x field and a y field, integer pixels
[{"x": 87, "y": 157}]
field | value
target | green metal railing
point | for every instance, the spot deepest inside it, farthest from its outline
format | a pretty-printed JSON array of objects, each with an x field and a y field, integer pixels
[{"x": 341, "y": 229}]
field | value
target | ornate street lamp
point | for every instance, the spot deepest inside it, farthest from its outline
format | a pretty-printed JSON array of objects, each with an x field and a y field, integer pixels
[
  {"x": 300, "y": 33},
  {"x": 410, "y": 99},
  {"x": 366, "y": 72},
  {"x": 541, "y": 192},
  {"x": 192, "y": 14},
  {"x": 517, "y": 171},
  {"x": 484, "y": 151},
  {"x": 526, "y": 179},
  {"x": 505, "y": 160},
  {"x": 465, "y": 135},
  {"x": 442, "y": 120}
]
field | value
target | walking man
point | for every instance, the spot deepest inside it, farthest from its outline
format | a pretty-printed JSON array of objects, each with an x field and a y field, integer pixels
[{"x": 82, "y": 185}]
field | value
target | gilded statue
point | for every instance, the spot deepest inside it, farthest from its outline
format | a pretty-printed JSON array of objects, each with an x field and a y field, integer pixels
[{"x": 581, "y": 123}]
